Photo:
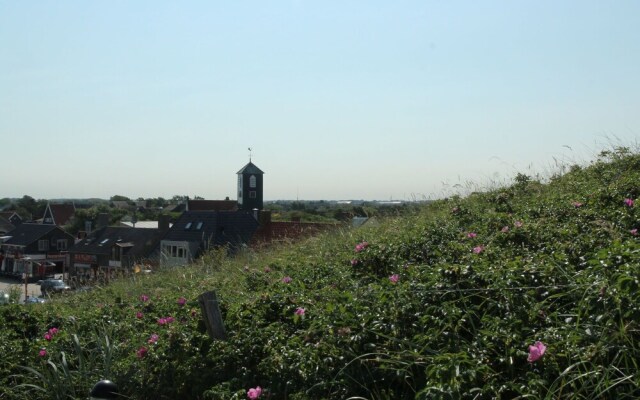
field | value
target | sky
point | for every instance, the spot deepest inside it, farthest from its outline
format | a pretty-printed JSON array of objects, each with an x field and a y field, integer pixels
[{"x": 373, "y": 100}]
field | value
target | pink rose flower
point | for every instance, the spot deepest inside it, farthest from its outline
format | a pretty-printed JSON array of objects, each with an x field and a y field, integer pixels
[
  {"x": 634, "y": 231},
  {"x": 394, "y": 278},
  {"x": 254, "y": 393},
  {"x": 300, "y": 311},
  {"x": 50, "y": 334},
  {"x": 478, "y": 249},
  {"x": 504, "y": 229},
  {"x": 471, "y": 235},
  {"x": 518, "y": 224},
  {"x": 182, "y": 301},
  {"x": 142, "y": 352},
  {"x": 153, "y": 339},
  {"x": 42, "y": 353},
  {"x": 628, "y": 202},
  {"x": 536, "y": 351},
  {"x": 139, "y": 315},
  {"x": 361, "y": 246},
  {"x": 577, "y": 204},
  {"x": 286, "y": 279},
  {"x": 144, "y": 298}
]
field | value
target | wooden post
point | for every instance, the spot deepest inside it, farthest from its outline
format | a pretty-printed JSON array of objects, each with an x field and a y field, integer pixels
[{"x": 212, "y": 316}]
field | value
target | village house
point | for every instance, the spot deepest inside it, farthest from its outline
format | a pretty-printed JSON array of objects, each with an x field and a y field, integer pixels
[
  {"x": 12, "y": 217},
  {"x": 231, "y": 223},
  {"x": 115, "y": 250},
  {"x": 58, "y": 214},
  {"x": 195, "y": 232},
  {"x": 5, "y": 226},
  {"x": 38, "y": 250}
]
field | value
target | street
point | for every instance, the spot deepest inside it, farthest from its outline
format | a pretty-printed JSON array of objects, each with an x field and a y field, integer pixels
[{"x": 7, "y": 283}]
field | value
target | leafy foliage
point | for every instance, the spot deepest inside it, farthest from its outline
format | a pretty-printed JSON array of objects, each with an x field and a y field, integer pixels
[{"x": 440, "y": 304}]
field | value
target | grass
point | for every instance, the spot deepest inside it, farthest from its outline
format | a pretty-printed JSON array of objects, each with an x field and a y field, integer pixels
[{"x": 554, "y": 261}]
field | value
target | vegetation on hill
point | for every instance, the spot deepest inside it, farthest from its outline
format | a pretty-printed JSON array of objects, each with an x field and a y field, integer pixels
[{"x": 528, "y": 291}]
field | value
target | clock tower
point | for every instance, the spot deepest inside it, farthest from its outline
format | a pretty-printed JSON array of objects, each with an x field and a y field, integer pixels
[{"x": 250, "y": 189}]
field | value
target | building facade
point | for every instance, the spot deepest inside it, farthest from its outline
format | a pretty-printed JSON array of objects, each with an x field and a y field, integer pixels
[{"x": 250, "y": 188}]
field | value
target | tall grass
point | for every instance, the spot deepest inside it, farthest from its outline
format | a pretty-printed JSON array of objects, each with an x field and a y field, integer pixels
[{"x": 477, "y": 279}]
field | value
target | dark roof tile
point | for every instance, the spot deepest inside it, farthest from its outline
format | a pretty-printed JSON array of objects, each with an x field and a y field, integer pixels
[
  {"x": 27, "y": 233},
  {"x": 250, "y": 168}
]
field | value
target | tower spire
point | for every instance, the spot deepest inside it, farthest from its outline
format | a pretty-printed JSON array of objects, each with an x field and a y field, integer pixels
[{"x": 250, "y": 149}]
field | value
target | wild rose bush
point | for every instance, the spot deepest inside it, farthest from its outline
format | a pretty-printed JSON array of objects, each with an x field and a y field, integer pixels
[{"x": 514, "y": 292}]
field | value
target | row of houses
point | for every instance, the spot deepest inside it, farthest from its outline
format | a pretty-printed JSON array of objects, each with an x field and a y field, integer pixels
[{"x": 37, "y": 250}]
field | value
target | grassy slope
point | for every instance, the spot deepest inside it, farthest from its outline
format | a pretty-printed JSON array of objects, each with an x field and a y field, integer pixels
[{"x": 456, "y": 324}]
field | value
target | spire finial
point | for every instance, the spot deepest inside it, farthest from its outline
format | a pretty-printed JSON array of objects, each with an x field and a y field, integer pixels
[{"x": 250, "y": 149}]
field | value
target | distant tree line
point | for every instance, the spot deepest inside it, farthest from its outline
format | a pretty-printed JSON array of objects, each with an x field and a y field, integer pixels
[{"x": 31, "y": 209}]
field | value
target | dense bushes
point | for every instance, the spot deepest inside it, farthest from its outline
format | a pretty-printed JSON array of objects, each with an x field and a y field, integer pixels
[{"x": 441, "y": 304}]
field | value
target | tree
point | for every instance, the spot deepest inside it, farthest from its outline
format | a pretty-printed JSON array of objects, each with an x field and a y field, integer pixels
[
  {"x": 4, "y": 203},
  {"x": 28, "y": 207},
  {"x": 176, "y": 199},
  {"x": 118, "y": 197},
  {"x": 27, "y": 203}
]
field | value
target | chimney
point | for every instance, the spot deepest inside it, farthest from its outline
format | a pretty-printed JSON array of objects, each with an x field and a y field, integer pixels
[
  {"x": 163, "y": 222},
  {"x": 264, "y": 217},
  {"x": 103, "y": 220}
]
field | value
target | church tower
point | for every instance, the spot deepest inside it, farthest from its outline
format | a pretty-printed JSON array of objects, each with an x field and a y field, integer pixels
[{"x": 250, "y": 189}]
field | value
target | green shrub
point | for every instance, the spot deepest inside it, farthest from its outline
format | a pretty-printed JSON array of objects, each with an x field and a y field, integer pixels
[{"x": 439, "y": 304}]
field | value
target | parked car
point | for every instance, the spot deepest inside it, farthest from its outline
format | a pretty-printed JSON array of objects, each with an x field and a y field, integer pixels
[
  {"x": 51, "y": 286},
  {"x": 34, "y": 300}
]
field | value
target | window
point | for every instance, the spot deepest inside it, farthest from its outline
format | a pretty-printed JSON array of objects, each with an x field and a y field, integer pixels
[
  {"x": 115, "y": 253},
  {"x": 175, "y": 251},
  {"x": 43, "y": 245},
  {"x": 61, "y": 244},
  {"x": 252, "y": 181},
  {"x": 252, "y": 194},
  {"x": 199, "y": 225},
  {"x": 187, "y": 226}
]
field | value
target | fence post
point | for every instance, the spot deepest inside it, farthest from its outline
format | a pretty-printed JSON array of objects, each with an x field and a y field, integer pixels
[{"x": 212, "y": 316}]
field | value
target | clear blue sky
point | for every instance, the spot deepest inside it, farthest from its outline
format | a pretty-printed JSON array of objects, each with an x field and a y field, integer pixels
[{"x": 338, "y": 99}]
